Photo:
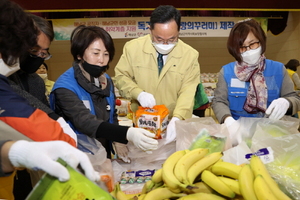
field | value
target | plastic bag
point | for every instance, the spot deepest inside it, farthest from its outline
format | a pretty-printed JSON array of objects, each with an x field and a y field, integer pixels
[
  {"x": 187, "y": 131},
  {"x": 93, "y": 148},
  {"x": 284, "y": 139},
  {"x": 97, "y": 155},
  {"x": 141, "y": 160},
  {"x": 205, "y": 140}
]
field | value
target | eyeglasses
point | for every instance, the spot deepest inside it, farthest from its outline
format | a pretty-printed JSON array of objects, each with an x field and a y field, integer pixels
[
  {"x": 253, "y": 45},
  {"x": 45, "y": 55}
]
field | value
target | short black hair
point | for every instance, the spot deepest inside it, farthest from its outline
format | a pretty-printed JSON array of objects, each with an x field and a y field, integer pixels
[
  {"x": 292, "y": 64},
  {"x": 163, "y": 14},
  {"x": 82, "y": 36},
  {"x": 17, "y": 32}
]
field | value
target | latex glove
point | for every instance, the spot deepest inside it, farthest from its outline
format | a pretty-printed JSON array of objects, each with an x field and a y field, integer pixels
[
  {"x": 142, "y": 139},
  {"x": 122, "y": 151},
  {"x": 43, "y": 156},
  {"x": 278, "y": 108},
  {"x": 232, "y": 127},
  {"x": 66, "y": 128},
  {"x": 171, "y": 130},
  {"x": 146, "y": 99}
]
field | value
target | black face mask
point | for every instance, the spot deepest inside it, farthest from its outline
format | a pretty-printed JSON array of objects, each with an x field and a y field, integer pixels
[
  {"x": 30, "y": 64},
  {"x": 94, "y": 70}
]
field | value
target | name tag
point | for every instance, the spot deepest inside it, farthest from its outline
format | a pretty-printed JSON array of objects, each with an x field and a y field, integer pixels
[
  {"x": 237, "y": 83},
  {"x": 87, "y": 104}
]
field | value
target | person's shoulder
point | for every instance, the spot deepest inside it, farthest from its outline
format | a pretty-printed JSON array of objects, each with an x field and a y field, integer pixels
[
  {"x": 274, "y": 63},
  {"x": 187, "y": 47}
]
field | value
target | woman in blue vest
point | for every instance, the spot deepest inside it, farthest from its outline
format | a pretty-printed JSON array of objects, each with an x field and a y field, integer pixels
[
  {"x": 84, "y": 94},
  {"x": 252, "y": 86}
]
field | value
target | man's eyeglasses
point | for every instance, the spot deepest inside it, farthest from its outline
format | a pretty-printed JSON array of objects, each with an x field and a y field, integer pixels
[
  {"x": 253, "y": 45},
  {"x": 34, "y": 53}
]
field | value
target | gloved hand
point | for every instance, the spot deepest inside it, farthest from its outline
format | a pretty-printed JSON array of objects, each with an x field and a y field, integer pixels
[
  {"x": 146, "y": 99},
  {"x": 43, "y": 155},
  {"x": 66, "y": 128},
  {"x": 142, "y": 139},
  {"x": 232, "y": 127},
  {"x": 122, "y": 151},
  {"x": 171, "y": 130},
  {"x": 278, "y": 108}
]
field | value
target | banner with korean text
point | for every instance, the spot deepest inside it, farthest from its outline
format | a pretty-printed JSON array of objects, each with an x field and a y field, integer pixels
[{"x": 132, "y": 27}]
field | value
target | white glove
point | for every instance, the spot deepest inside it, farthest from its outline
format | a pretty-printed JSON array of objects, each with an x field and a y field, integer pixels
[
  {"x": 232, "y": 127},
  {"x": 142, "y": 139},
  {"x": 43, "y": 156},
  {"x": 278, "y": 108},
  {"x": 66, "y": 128},
  {"x": 122, "y": 151},
  {"x": 146, "y": 99},
  {"x": 171, "y": 130}
]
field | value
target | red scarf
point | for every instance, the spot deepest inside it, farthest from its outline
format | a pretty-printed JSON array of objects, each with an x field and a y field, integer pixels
[{"x": 257, "y": 92}]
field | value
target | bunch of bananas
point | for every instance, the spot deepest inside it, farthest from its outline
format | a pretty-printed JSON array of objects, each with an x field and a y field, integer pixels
[{"x": 196, "y": 174}]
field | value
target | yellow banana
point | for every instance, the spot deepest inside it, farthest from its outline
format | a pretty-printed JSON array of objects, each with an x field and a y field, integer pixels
[
  {"x": 258, "y": 167},
  {"x": 162, "y": 193},
  {"x": 226, "y": 169},
  {"x": 201, "y": 165},
  {"x": 147, "y": 187},
  {"x": 200, "y": 195},
  {"x": 232, "y": 184},
  {"x": 215, "y": 183},
  {"x": 141, "y": 196},
  {"x": 262, "y": 190},
  {"x": 157, "y": 176},
  {"x": 246, "y": 180},
  {"x": 187, "y": 161},
  {"x": 120, "y": 195},
  {"x": 202, "y": 187},
  {"x": 168, "y": 172}
]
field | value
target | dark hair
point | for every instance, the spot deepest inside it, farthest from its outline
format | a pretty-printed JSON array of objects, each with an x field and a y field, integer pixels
[
  {"x": 46, "y": 66},
  {"x": 82, "y": 36},
  {"x": 43, "y": 25},
  {"x": 239, "y": 33},
  {"x": 292, "y": 64},
  {"x": 163, "y": 14},
  {"x": 17, "y": 32}
]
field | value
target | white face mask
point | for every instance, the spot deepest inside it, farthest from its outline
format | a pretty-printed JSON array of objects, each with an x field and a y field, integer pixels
[
  {"x": 6, "y": 70},
  {"x": 163, "y": 48},
  {"x": 252, "y": 56},
  {"x": 43, "y": 76}
]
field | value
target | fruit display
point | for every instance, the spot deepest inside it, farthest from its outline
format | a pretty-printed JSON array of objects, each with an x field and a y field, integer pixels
[{"x": 198, "y": 174}]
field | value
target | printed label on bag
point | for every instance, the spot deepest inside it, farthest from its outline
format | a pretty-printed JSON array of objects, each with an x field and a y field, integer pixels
[{"x": 265, "y": 154}]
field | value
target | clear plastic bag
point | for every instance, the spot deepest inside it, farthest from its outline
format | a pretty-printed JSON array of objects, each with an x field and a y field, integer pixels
[
  {"x": 284, "y": 139},
  {"x": 188, "y": 130}
]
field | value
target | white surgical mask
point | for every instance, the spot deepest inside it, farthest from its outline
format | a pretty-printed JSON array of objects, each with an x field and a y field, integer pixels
[
  {"x": 252, "y": 56},
  {"x": 6, "y": 70},
  {"x": 43, "y": 76},
  {"x": 163, "y": 48}
]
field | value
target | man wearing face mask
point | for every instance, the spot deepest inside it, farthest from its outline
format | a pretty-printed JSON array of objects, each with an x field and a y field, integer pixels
[
  {"x": 25, "y": 81},
  {"x": 252, "y": 86},
  {"x": 159, "y": 68}
]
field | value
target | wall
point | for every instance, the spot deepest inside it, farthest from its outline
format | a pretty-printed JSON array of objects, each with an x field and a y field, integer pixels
[{"x": 213, "y": 53}]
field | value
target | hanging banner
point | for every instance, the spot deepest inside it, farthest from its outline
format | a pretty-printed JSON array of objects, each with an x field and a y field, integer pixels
[{"x": 133, "y": 27}]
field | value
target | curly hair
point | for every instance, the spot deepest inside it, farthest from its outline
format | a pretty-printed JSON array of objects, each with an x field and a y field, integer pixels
[{"x": 17, "y": 32}]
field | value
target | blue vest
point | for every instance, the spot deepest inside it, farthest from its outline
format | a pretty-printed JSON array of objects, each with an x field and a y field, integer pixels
[
  {"x": 67, "y": 80},
  {"x": 273, "y": 74}
]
